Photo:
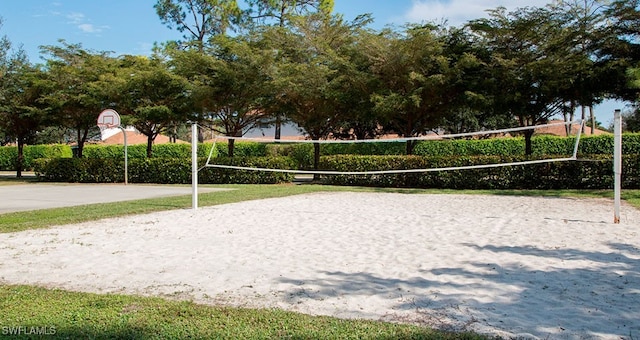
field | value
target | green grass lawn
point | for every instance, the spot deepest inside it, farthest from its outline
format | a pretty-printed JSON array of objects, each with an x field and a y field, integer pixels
[{"x": 71, "y": 315}]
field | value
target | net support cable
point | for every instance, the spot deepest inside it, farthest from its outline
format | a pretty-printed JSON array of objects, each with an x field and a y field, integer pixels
[{"x": 400, "y": 171}]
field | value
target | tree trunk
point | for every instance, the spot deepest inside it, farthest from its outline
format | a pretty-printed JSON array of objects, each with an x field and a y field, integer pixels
[
  {"x": 528, "y": 148},
  {"x": 20, "y": 160},
  {"x": 316, "y": 160},
  {"x": 149, "y": 146},
  {"x": 584, "y": 116},
  {"x": 278, "y": 126},
  {"x": 80, "y": 145},
  {"x": 80, "y": 149},
  {"x": 572, "y": 109},
  {"x": 81, "y": 141},
  {"x": 200, "y": 136},
  {"x": 231, "y": 147},
  {"x": 411, "y": 144},
  {"x": 593, "y": 119}
]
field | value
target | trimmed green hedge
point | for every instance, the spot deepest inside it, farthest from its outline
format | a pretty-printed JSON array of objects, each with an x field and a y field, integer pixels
[
  {"x": 596, "y": 173},
  {"x": 115, "y": 151},
  {"x": 175, "y": 150},
  {"x": 303, "y": 153},
  {"x": 542, "y": 145},
  {"x": 171, "y": 163},
  {"x": 139, "y": 151},
  {"x": 9, "y": 155},
  {"x": 157, "y": 170}
]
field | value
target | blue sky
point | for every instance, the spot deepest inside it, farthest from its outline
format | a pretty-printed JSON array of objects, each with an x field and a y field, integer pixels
[{"x": 132, "y": 26}]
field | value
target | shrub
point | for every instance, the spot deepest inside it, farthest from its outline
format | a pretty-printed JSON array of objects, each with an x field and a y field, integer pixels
[
  {"x": 80, "y": 170},
  {"x": 223, "y": 176},
  {"x": 242, "y": 149},
  {"x": 9, "y": 155},
  {"x": 160, "y": 170},
  {"x": 173, "y": 150},
  {"x": 542, "y": 145},
  {"x": 510, "y": 146},
  {"x": 597, "y": 173},
  {"x": 369, "y": 148},
  {"x": 116, "y": 151},
  {"x": 172, "y": 163}
]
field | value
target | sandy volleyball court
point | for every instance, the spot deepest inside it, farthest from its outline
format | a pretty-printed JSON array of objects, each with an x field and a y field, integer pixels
[{"x": 509, "y": 266}]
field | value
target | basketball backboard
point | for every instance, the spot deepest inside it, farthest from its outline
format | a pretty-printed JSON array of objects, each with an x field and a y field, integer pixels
[{"x": 109, "y": 118}]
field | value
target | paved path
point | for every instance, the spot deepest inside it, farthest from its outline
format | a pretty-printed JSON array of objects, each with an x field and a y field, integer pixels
[{"x": 25, "y": 197}]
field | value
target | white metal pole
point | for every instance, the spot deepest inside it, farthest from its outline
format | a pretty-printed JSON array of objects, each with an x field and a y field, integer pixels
[
  {"x": 617, "y": 163},
  {"x": 194, "y": 166},
  {"x": 126, "y": 156}
]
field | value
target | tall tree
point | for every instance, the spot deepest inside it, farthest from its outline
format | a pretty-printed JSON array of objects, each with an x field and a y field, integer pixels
[
  {"x": 5, "y": 48},
  {"x": 529, "y": 67},
  {"x": 622, "y": 46},
  {"x": 21, "y": 111},
  {"x": 421, "y": 84},
  {"x": 631, "y": 118},
  {"x": 358, "y": 120},
  {"x": 580, "y": 22},
  {"x": 281, "y": 13},
  {"x": 79, "y": 87},
  {"x": 229, "y": 82},
  {"x": 199, "y": 20},
  {"x": 153, "y": 96},
  {"x": 313, "y": 72}
]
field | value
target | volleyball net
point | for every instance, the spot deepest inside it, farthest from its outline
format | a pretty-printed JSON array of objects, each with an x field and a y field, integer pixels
[{"x": 576, "y": 126}]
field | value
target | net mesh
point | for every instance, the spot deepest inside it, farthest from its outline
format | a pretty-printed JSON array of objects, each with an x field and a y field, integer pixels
[{"x": 569, "y": 157}]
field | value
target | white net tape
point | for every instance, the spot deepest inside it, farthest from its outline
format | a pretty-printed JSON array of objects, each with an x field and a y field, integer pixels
[{"x": 573, "y": 157}]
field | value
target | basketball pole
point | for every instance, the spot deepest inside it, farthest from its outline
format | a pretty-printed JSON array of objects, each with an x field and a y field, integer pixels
[
  {"x": 110, "y": 118},
  {"x": 126, "y": 156},
  {"x": 194, "y": 166},
  {"x": 617, "y": 163}
]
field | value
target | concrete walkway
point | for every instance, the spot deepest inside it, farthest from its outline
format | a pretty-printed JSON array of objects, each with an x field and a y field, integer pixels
[{"x": 25, "y": 197}]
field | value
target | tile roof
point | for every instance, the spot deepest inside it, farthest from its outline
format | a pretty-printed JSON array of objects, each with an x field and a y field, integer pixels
[{"x": 135, "y": 137}]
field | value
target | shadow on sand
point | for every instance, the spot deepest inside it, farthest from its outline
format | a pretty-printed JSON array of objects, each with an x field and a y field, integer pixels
[{"x": 603, "y": 297}]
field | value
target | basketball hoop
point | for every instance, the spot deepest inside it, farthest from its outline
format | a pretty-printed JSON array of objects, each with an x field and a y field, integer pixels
[{"x": 108, "y": 119}]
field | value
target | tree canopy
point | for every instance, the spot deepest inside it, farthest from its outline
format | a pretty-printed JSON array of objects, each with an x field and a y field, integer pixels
[
  {"x": 79, "y": 86},
  {"x": 153, "y": 96}
]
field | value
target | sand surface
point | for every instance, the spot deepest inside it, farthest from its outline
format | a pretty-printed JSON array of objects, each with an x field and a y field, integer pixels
[{"x": 507, "y": 266}]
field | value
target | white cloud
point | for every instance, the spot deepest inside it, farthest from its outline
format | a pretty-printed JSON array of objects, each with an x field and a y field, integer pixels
[
  {"x": 458, "y": 12},
  {"x": 83, "y": 24},
  {"x": 88, "y": 28},
  {"x": 76, "y": 18}
]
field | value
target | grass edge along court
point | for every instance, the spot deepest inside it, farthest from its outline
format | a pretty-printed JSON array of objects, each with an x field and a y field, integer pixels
[{"x": 36, "y": 219}]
